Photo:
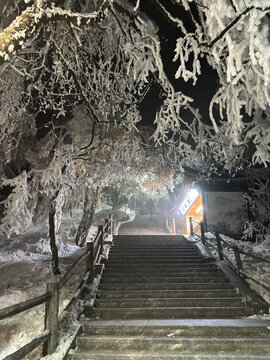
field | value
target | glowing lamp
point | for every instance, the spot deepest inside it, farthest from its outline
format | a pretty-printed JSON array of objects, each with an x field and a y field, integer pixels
[{"x": 188, "y": 201}]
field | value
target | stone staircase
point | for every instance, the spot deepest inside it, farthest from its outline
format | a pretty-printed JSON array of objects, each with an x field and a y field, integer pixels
[{"x": 159, "y": 298}]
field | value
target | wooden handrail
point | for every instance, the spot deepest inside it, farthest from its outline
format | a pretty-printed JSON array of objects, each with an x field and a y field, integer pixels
[
  {"x": 220, "y": 252},
  {"x": 237, "y": 252},
  {"x": 257, "y": 257},
  {"x": 51, "y": 297},
  {"x": 73, "y": 301},
  {"x": 191, "y": 226},
  {"x": 26, "y": 305},
  {"x": 235, "y": 248},
  {"x": 26, "y": 349},
  {"x": 62, "y": 282}
]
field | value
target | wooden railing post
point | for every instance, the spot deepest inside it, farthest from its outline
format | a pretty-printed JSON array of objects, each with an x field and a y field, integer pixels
[
  {"x": 219, "y": 247},
  {"x": 237, "y": 258},
  {"x": 174, "y": 227},
  {"x": 191, "y": 226},
  {"x": 89, "y": 257},
  {"x": 115, "y": 224},
  {"x": 202, "y": 232},
  {"x": 101, "y": 238},
  {"x": 51, "y": 318},
  {"x": 92, "y": 261},
  {"x": 106, "y": 227},
  {"x": 110, "y": 225}
]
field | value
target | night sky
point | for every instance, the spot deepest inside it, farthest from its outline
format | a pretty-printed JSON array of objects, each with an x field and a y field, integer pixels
[{"x": 207, "y": 83}]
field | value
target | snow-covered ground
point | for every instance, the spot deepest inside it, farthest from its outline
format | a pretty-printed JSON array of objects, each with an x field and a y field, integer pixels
[
  {"x": 24, "y": 272},
  {"x": 25, "y": 269},
  {"x": 258, "y": 270},
  {"x": 145, "y": 224}
]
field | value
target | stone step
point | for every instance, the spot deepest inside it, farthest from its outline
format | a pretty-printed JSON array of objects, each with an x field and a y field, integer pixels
[
  {"x": 150, "y": 261},
  {"x": 154, "y": 256},
  {"x": 155, "y": 243},
  {"x": 156, "y": 240},
  {"x": 159, "y": 299},
  {"x": 157, "y": 264},
  {"x": 121, "y": 250},
  {"x": 112, "y": 355},
  {"x": 215, "y": 312},
  {"x": 156, "y": 259},
  {"x": 211, "y": 273},
  {"x": 169, "y": 286},
  {"x": 165, "y": 272},
  {"x": 161, "y": 279},
  {"x": 173, "y": 267},
  {"x": 154, "y": 253},
  {"x": 162, "y": 236},
  {"x": 169, "y": 270},
  {"x": 167, "y": 293},
  {"x": 169, "y": 302},
  {"x": 174, "y": 345},
  {"x": 116, "y": 255},
  {"x": 167, "y": 327},
  {"x": 153, "y": 248}
]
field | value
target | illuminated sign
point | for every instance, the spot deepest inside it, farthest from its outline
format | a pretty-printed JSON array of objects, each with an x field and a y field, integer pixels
[{"x": 188, "y": 201}]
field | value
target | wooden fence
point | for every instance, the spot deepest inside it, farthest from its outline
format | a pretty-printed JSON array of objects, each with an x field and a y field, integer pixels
[
  {"x": 199, "y": 229},
  {"x": 51, "y": 297}
]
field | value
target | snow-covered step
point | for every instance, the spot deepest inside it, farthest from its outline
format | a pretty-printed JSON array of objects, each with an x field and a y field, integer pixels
[
  {"x": 195, "y": 285},
  {"x": 176, "y": 328},
  {"x": 186, "y": 312},
  {"x": 170, "y": 302},
  {"x": 165, "y": 344},
  {"x": 112, "y": 355},
  {"x": 164, "y": 279},
  {"x": 216, "y": 292}
]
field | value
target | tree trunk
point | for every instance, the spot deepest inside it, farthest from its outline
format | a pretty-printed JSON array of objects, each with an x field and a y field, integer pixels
[
  {"x": 90, "y": 203},
  {"x": 115, "y": 196},
  {"x": 53, "y": 246}
]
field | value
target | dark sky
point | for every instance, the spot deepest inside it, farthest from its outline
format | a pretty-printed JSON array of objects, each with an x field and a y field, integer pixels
[{"x": 207, "y": 83}]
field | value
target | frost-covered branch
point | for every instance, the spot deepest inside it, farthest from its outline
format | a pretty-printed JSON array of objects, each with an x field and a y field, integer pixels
[
  {"x": 173, "y": 20},
  {"x": 232, "y": 24},
  {"x": 16, "y": 34},
  {"x": 77, "y": 82}
]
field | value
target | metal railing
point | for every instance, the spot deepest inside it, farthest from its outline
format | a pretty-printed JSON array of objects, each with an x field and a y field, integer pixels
[
  {"x": 199, "y": 229},
  {"x": 51, "y": 297}
]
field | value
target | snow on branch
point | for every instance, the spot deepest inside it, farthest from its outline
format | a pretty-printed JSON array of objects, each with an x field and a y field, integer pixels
[
  {"x": 233, "y": 23},
  {"x": 187, "y": 48},
  {"x": 173, "y": 20},
  {"x": 17, "y": 216},
  {"x": 14, "y": 37}
]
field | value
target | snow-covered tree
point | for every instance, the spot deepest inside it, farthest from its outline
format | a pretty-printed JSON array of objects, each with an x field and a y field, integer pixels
[{"x": 104, "y": 55}]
